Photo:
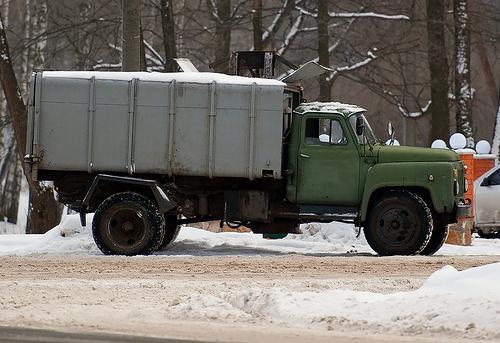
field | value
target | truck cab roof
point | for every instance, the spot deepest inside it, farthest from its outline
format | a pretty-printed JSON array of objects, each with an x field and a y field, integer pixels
[{"x": 329, "y": 107}]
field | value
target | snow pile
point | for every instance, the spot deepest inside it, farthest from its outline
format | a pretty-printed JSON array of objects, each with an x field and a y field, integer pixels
[
  {"x": 466, "y": 302},
  {"x": 335, "y": 238},
  {"x": 339, "y": 236},
  {"x": 9, "y": 228},
  {"x": 67, "y": 237},
  {"x": 70, "y": 237}
]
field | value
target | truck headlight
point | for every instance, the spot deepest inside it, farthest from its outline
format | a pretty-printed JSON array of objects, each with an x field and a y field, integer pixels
[
  {"x": 456, "y": 187},
  {"x": 466, "y": 185}
]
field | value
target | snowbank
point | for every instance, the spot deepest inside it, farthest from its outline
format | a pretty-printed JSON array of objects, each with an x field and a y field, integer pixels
[
  {"x": 464, "y": 302},
  {"x": 70, "y": 237},
  {"x": 67, "y": 237}
]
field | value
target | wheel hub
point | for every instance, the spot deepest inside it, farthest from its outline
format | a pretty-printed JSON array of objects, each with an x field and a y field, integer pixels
[
  {"x": 395, "y": 225},
  {"x": 126, "y": 226}
]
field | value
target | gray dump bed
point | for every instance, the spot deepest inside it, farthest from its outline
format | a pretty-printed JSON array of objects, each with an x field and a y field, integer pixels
[{"x": 196, "y": 124}]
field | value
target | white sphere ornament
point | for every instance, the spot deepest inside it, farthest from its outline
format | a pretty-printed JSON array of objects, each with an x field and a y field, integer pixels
[
  {"x": 395, "y": 143},
  {"x": 483, "y": 147},
  {"x": 457, "y": 141},
  {"x": 439, "y": 144}
]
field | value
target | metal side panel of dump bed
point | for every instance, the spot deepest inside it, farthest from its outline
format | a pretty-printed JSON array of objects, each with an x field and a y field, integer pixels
[{"x": 196, "y": 124}]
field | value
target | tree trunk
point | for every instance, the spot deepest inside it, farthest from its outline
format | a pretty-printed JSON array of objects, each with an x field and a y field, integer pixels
[
  {"x": 168, "y": 28},
  {"x": 131, "y": 35},
  {"x": 257, "y": 25},
  {"x": 14, "y": 190},
  {"x": 325, "y": 86},
  {"x": 44, "y": 206},
  {"x": 222, "y": 35},
  {"x": 463, "y": 90},
  {"x": 439, "y": 69}
]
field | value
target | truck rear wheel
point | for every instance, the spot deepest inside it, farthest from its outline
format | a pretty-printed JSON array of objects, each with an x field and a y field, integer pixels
[
  {"x": 128, "y": 224},
  {"x": 171, "y": 232},
  {"x": 399, "y": 223},
  {"x": 438, "y": 237}
]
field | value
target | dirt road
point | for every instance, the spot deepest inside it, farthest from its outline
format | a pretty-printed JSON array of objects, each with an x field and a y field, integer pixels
[{"x": 147, "y": 295}]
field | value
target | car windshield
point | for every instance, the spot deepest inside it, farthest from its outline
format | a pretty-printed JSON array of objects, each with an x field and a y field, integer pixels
[{"x": 368, "y": 133}]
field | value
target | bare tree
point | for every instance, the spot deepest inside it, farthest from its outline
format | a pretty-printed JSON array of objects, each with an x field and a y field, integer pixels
[
  {"x": 325, "y": 85},
  {"x": 220, "y": 12},
  {"x": 131, "y": 33},
  {"x": 257, "y": 25},
  {"x": 168, "y": 28},
  {"x": 439, "y": 69},
  {"x": 44, "y": 212}
]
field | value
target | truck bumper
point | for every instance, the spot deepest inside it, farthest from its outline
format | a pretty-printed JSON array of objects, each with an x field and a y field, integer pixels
[{"x": 463, "y": 211}]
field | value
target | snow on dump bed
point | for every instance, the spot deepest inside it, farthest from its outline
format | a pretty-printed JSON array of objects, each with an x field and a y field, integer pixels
[
  {"x": 70, "y": 237},
  {"x": 188, "y": 77},
  {"x": 466, "y": 302}
]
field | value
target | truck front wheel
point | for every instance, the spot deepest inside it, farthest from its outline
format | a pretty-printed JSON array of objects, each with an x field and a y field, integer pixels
[
  {"x": 399, "y": 223},
  {"x": 128, "y": 224},
  {"x": 438, "y": 237}
]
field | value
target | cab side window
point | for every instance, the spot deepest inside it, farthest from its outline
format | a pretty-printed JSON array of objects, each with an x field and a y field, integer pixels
[{"x": 323, "y": 131}]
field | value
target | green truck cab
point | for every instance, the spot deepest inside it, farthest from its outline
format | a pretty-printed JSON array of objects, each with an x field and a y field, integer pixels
[{"x": 404, "y": 197}]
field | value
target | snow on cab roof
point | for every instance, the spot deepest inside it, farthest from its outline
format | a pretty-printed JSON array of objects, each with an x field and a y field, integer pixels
[
  {"x": 188, "y": 77},
  {"x": 335, "y": 107}
]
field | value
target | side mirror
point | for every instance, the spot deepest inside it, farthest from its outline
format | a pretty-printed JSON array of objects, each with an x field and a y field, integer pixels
[
  {"x": 390, "y": 129},
  {"x": 360, "y": 126}
]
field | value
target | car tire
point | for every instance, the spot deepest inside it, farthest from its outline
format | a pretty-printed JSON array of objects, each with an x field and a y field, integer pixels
[
  {"x": 488, "y": 235},
  {"x": 128, "y": 224},
  {"x": 399, "y": 223},
  {"x": 438, "y": 237}
]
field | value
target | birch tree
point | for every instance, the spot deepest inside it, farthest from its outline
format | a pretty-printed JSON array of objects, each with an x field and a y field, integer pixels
[{"x": 463, "y": 88}]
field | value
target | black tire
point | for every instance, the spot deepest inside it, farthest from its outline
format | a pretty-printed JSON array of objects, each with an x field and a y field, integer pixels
[
  {"x": 171, "y": 232},
  {"x": 438, "y": 237},
  {"x": 128, "y": 224},
  {"x": 399, "y": 223},
  {"x": 489, "y": 235}
]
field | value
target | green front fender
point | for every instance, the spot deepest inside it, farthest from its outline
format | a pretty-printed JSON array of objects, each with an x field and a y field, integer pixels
[{"x": 434, "y": 178}]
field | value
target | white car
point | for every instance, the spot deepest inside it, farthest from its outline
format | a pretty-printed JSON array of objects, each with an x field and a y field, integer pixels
[{"x": 487, "y": 204}]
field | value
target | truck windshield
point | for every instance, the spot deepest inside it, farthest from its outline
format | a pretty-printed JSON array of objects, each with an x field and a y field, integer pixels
[{"x": 369, "y": 135}]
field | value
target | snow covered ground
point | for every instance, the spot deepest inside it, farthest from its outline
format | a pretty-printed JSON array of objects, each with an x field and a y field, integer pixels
[
  {"x": 70, "y": 237},
  {"x": 466, "y": 302},
  {"x": 449, "y": 302}
]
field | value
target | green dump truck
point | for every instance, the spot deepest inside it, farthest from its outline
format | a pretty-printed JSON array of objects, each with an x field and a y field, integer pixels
[{"x": 148, "y": 152}]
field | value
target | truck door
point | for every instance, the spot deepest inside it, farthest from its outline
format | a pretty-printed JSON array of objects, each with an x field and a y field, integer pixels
[{"x": 328, "y": 162}]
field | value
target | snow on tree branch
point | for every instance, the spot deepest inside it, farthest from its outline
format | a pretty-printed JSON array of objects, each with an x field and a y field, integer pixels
[
  {"x": 403, "y": 109},
  {"x": 276, "y": 20},
  {"x": 356, "y": 15},
  {"x": 368, "y": 15},
  {"x": 370, "y": 58},
  {"x": 158, "y": 58},
  {"x": 294, "y": 30}
]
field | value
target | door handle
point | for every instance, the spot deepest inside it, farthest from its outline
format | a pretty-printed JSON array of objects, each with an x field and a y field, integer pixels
[{"x": 304, "y": 155}]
